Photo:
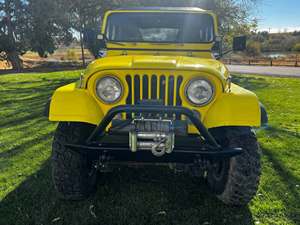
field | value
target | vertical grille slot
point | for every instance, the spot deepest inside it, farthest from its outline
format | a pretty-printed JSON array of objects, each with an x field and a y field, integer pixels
[
  {"x": 129, "y": 97},
  {"x": 136, "y": 89},
  {"x": 178, "y": 98},
  {"x": 145, "y": 87},
  {"x": 154, "y": 87},
  {"x": 171, "y": 91},
  {"x": 170, "y": 94},
  {"x": 162, "y": 88}
]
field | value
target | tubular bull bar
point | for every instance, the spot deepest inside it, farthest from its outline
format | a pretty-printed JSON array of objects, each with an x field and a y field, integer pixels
[{"x": 198, "y": 146}]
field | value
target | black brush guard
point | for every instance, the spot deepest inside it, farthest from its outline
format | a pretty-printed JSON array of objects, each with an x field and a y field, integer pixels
[{"x": 196, "y": 146}]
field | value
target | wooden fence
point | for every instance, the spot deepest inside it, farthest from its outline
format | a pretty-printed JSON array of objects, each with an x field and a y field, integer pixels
[{"x": 264, "y": 62}]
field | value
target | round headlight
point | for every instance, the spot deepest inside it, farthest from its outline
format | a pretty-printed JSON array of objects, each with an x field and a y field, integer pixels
[
  {"x": 109, "y": 89},
  {"x": 199, "y": 91}
]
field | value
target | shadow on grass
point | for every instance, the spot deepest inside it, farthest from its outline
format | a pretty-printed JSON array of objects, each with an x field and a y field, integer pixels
[
  {"x": 27, "y": 102},
  {"x": 44, "y": 69},
  {"x": 41, "y": 87},
  {"x": 251, "y": 83},
  {"x": 27, "y": 144},
  {"x": 286, "y": 187},
  {"x": 290, "y": 181},
  {"x": 276, "y": 130},
  {"x": 127, "y": 196}
]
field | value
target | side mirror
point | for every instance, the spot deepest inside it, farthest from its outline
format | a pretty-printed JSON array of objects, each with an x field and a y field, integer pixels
[
  {"x": 101, "y": 40},
  {"x": 91, "y": 38},
  {"x": 217, "y": 47},
  {"x": 239, "y": 43},
  {"x": 94, "y": 42}
]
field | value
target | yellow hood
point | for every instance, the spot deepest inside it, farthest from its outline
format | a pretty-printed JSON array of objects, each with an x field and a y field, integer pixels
[{"x": 182, "y": 63}]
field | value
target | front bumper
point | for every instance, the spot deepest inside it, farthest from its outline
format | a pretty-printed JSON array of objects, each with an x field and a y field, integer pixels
[{"x": 187, "y": 148}]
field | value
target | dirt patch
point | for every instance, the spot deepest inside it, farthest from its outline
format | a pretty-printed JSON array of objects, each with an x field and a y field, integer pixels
[
  {"x": 4, "y": 65},
  {"x": 63, "y": 58}
]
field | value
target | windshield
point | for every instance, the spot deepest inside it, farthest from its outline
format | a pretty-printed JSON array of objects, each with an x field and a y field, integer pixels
[{"x": 160, "y": 27}]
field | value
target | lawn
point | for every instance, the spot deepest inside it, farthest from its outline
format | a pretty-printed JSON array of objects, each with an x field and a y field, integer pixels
[{"x": 149, "y": 196}]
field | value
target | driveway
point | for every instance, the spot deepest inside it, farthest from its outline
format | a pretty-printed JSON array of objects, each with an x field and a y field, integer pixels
[{"x": 266, "y": 70}]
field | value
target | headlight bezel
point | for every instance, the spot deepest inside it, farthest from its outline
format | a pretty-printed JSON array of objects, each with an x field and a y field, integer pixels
[
  {"x": 210, "y": 83},
  {"x": 115, "y": 79}
]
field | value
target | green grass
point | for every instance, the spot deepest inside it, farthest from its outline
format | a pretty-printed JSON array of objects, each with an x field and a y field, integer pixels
[{"x": 148, "y": 196}]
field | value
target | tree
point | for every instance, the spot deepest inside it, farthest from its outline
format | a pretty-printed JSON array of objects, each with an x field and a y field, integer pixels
[
  {"x": 48, "y": 26},
  {"x": 13, "y": 16},
  {"x": 253, "y": 48},
  {"x": 36, "y": 25},
  {"x": 85, "y": 18},
  {"x": 296, "y": 48}
]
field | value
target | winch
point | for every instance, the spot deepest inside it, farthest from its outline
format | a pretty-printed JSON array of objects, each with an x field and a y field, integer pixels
[{"x": 155, "y": 135}]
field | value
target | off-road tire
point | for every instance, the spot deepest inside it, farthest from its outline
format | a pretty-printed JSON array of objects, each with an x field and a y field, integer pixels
[
  {"x": 239, "y": 178},
  {"x": 72, "y": 172}
]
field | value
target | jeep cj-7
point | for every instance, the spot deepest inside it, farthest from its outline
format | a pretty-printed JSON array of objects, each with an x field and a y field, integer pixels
[{"x": 158, "y": 95}]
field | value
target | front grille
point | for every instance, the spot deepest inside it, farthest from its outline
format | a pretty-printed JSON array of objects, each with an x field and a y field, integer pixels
[{"x": 164, "y": 88}]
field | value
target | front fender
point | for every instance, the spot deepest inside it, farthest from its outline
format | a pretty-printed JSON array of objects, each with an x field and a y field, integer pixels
[
  {"x": 69, "y": 103},
  {"x": 239, "y": 107}
]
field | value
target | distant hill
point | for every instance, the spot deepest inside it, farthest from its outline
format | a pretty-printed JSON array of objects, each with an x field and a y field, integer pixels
[{"x": 276, "y": 42}]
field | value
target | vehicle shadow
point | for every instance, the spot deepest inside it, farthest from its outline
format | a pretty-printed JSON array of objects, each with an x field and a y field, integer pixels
[{"x": 149, "y": 195}]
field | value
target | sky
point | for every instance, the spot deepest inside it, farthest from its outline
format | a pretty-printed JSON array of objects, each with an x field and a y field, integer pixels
[{"x": 278, "y": 15}]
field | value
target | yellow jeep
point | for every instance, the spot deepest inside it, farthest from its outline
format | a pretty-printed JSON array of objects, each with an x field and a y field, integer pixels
[{"x": 158, "y": 96}]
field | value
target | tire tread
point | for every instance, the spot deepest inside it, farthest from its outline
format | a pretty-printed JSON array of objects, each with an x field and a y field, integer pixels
[{"x": 71, "y": 171}]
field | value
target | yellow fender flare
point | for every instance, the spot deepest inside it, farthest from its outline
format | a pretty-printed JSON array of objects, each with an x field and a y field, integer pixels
[
  {"x": 69, "y": 103},
  {"x": 239, "y": 107}
]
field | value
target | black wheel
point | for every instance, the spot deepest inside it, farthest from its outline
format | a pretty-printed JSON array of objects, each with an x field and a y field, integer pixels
[
  {"x": 72, "y": 172},
  {"x": 235, "y": 181}
]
